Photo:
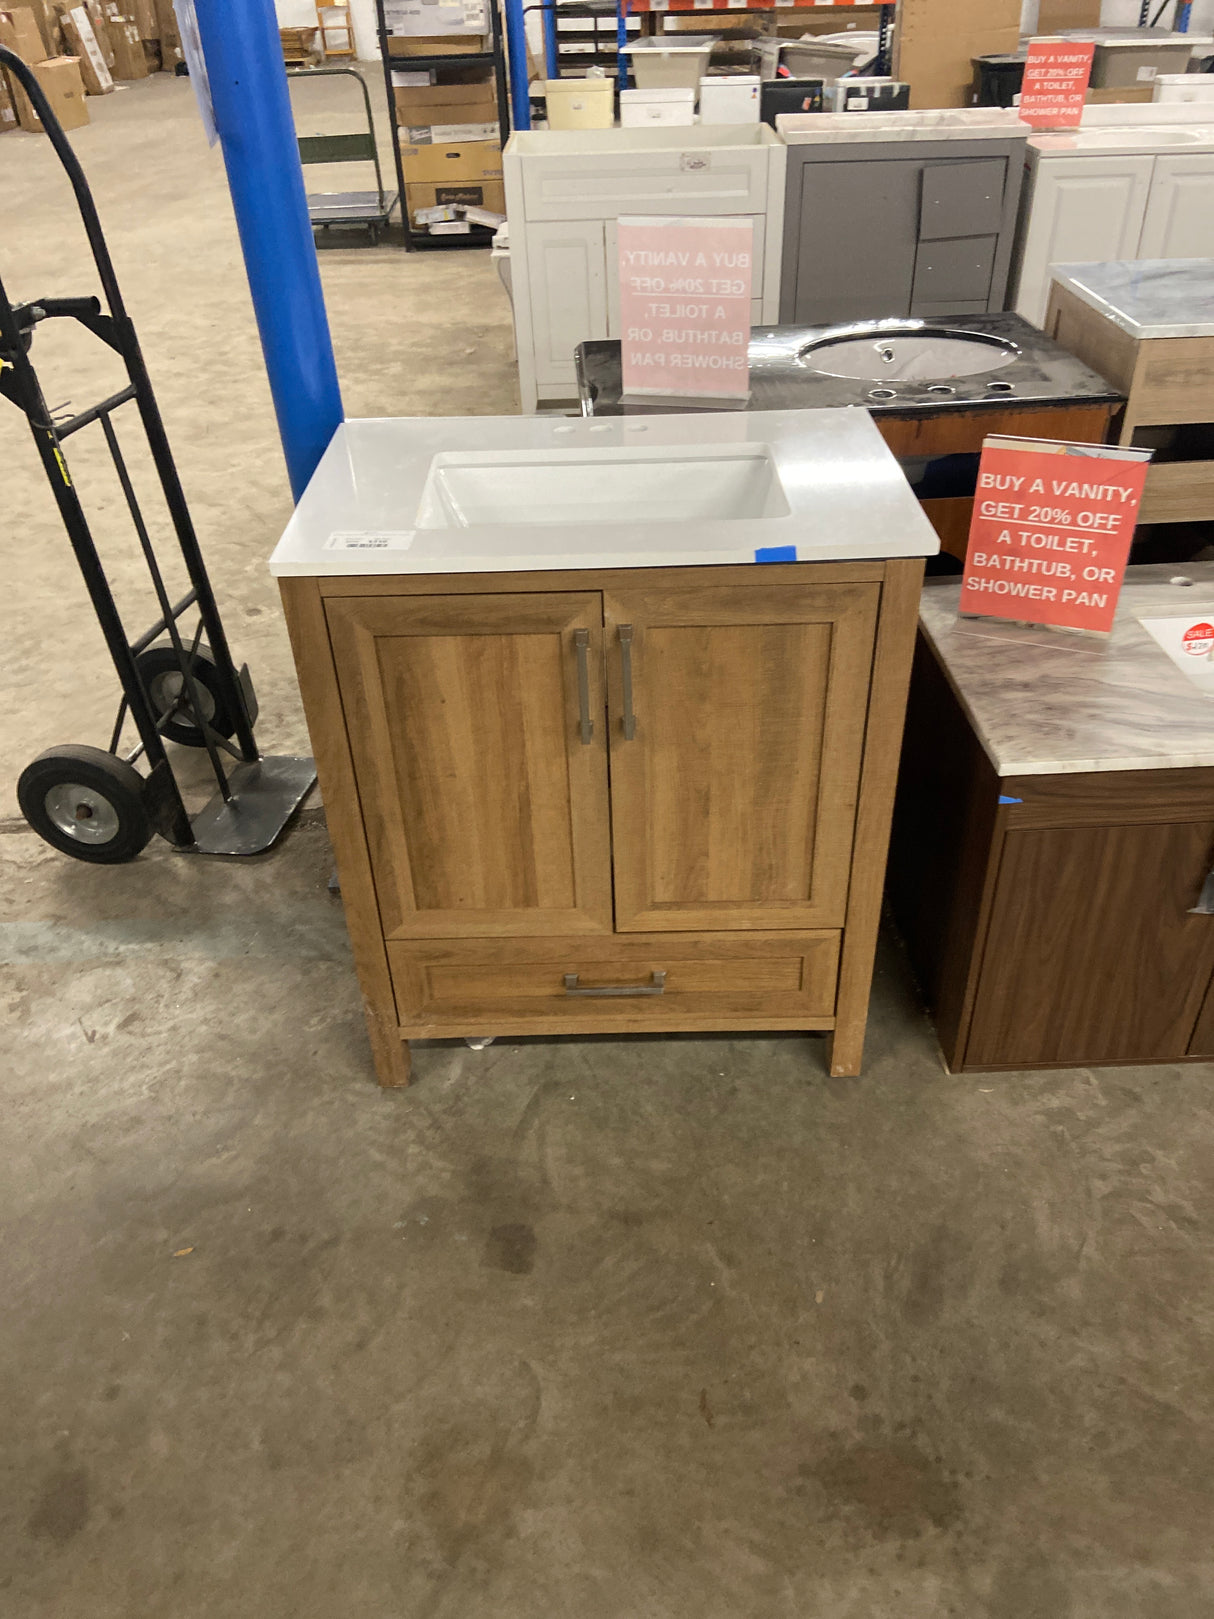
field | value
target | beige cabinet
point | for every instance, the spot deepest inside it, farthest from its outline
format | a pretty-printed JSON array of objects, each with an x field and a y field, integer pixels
[{"x": 635, "y": 800}]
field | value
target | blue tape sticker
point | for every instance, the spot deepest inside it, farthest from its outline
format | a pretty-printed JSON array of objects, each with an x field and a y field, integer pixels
[
  {"x": 776, "y": 553},
  {"x": 1003, "y": 800}
]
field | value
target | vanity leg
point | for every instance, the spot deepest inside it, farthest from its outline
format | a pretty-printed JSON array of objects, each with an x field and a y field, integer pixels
[{"x": 393, "y": 1063}]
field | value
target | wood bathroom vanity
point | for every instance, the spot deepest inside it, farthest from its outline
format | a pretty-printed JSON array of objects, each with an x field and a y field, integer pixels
[{"x": 591, "y": 763}]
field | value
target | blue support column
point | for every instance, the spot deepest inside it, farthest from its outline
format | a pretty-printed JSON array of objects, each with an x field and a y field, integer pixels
[
  {"x": 552, "y": 62},
  {"x": 253, "y": 117},
  {"x": 621, "y": 39},
  {"x": 516, "y": 52},
  {"x": 1184, "y": 12}
]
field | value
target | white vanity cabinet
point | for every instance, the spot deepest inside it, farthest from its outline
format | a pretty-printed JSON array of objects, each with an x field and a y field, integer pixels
[
  {"x": 1083, "y": 203},
  {"x": 565, "y": 191}
]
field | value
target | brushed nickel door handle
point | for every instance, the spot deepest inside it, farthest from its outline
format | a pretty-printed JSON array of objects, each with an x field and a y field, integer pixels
[
  {"x": 630, "y": 719},
  {"x": 657, "y": 987},
  {"x": 581, "y": 640}
]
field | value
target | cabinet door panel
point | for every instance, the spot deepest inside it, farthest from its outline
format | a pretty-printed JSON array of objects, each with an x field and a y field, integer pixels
[
  {"x": 1082, "y": 209},
  {"x": 1202, "y": 1043},
  {"x": 858, "y": 224},
  {"x": 962, "y": 199},
  {"x": 733, "y": 804},
  {"x": 953, "y": 272},
  {"x": 485, "y": 812},
  {"x": 1179, "y": 222},
  {"x": 568, "y": 290},
  {"x": 1091, "y": 954}
]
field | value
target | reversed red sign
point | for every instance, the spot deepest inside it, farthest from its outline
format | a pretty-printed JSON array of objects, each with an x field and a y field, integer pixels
[
  {"x": 1051, "y": 531},
  {"x": 1055, "y": 82},
  {"x": 685, "y": 306}
]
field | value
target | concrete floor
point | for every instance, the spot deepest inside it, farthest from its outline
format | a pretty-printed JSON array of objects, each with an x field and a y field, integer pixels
[{"x": 638, "y": 1329}]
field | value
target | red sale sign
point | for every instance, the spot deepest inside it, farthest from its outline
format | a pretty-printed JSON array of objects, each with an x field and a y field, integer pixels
[
  {"x": 1051, "y": 531},
  {"x": 685, "y": 306},
  {"x": 1055, "y": 82}
]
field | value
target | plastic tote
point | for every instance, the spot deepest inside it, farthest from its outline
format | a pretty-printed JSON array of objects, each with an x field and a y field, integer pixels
[
  {"x": 805, "y": 58},
  {"x": 580, "y": 103},
  {"x": 669, "y": 61}
]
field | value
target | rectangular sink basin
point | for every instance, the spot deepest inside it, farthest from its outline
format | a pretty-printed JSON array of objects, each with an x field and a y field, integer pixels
[{"x": 655, "y": 484}]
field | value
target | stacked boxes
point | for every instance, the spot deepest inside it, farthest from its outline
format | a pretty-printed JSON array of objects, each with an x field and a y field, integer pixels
[{"x": 59, "y": 76}]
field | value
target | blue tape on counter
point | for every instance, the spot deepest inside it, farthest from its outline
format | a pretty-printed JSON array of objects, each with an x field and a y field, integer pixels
[
  {"x": 1003, "y": 800},
  {"x": 776, "y": 553}
]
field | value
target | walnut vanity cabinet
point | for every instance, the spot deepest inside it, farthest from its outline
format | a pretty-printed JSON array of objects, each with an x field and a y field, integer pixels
[{"x": 619, "y": 800}]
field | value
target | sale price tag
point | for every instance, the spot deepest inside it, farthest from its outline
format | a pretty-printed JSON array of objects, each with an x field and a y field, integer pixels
[
  {"x": 1055, "y": 83},
  {"x": 685, "y": 307},
  {"x": 1051, "y": 531}
]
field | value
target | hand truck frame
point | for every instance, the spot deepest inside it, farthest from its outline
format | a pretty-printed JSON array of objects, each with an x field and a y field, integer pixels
[{"x": 92, "y": 803}]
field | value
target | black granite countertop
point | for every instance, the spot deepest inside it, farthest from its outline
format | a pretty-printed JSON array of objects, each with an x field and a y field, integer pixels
[{"x": 1042, "y": 373}]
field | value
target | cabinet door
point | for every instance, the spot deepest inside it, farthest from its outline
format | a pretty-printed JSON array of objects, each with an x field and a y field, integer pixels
[
  {"x": 1202, "y": 1043},
  {"x": 1179, "y": 221},
  {"x": 737, "y": 723},
  {"x": 1083, "y": 209},
  {"x": 485, "y": 811},
  {"x": 858, "y": 227},
  {"x": 568, "y": 291},
  {"x": 1091, "y": 955}
]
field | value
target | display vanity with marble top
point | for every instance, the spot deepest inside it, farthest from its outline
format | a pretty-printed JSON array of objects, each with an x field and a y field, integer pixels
[{"x": 1054, "y": 831}]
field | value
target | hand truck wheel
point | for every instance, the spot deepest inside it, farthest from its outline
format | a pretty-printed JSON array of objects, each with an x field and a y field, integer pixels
[
  {"x": 87, "y": 803},
  {"x": 165, "y": 685}
]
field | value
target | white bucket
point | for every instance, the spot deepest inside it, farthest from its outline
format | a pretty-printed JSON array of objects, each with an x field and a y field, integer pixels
[{"x": 670, "y": 61}]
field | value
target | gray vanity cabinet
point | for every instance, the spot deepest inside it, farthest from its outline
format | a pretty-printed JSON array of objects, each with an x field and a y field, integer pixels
[{"x": 878, "y": 229}]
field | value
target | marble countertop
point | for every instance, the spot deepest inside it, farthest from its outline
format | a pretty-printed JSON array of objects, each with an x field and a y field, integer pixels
[
  {"x": 1147, "y": 297},
  {"x": 1046, "y": 703},
  {"x": 939, "y": 124},
  {"x": 509, "y": 494}
]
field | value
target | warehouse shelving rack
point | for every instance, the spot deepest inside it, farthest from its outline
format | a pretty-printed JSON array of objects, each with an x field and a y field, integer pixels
[{"x": 495, "y": 57}]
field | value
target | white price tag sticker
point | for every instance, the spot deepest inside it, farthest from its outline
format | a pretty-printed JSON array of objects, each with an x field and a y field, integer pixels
[{"x": 397, "y": 539}]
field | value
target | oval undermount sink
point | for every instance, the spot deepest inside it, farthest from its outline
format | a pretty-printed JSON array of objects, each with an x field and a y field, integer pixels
[{"x": 910, "y": 354}]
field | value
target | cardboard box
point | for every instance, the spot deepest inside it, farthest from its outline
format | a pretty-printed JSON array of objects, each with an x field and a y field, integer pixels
[
  {"x": 438, "y": 45},
  {"x": 78, "y": 31},
  {"x": 1057, "y": 15},
  {"x": 151, "y": 54},
  {"x": 8, "y": 113},
  {"x": 20, "y": 32},
  {"x": 936, "y": 41},
  {"x": 47, "y": 13},
  {"x": 101, "y": 30},
  {"x": 447, "y": 103},
  {"x": 63, "y": 88},
  {"x": 489, "y": 194},
  {"x": 430, "y": 18},
  {"x": 1117, "y": 94},
  {"x": 143, "y": 14},
  {"x": 129, "y": 60},
  {"x": 171, "y": 52},
  {"x": 471, "y": 173},
  {"x": 450, "y": 134}
]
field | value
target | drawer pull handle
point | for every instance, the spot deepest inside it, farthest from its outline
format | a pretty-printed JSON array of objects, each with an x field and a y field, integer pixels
[
  {"x": 658, "y": 987},
  {"x": 630, "y": 719},
  {"x": 581, "y": 640}
]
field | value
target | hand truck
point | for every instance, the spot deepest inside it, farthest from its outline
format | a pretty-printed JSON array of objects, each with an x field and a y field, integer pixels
[
  {"x": 91, "y": 803},
  {"x": 370, "y": 208}
]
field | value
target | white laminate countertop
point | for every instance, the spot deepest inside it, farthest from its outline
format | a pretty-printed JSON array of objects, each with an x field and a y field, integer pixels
[
  {"x": 828, "y": 487},
  {"x": 1149, "y": 140},
  {"x": 1045, "y": 703},
  {"x": 930, "y": 124},
  {"x": 1147, "y": 297}
]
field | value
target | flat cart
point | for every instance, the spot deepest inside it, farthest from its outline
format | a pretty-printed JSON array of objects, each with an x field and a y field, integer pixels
[
  {"x": 325, "y": 208},
  {"x": 178, "y": 683}
]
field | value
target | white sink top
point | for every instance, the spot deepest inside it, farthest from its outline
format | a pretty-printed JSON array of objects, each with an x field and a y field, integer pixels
[
  {"x": 503, "y": 494},
  {"x": 1139, "y": 138}
]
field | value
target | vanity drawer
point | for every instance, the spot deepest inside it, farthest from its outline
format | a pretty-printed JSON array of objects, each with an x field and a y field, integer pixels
[{"x": 654, "y": 981}]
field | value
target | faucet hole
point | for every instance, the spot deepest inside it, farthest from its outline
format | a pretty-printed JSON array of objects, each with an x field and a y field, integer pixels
[
  {"x": 1000, "y": 387},
  {"x": 882, "y": 393},
  {"x": 941, "y": 388}
]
